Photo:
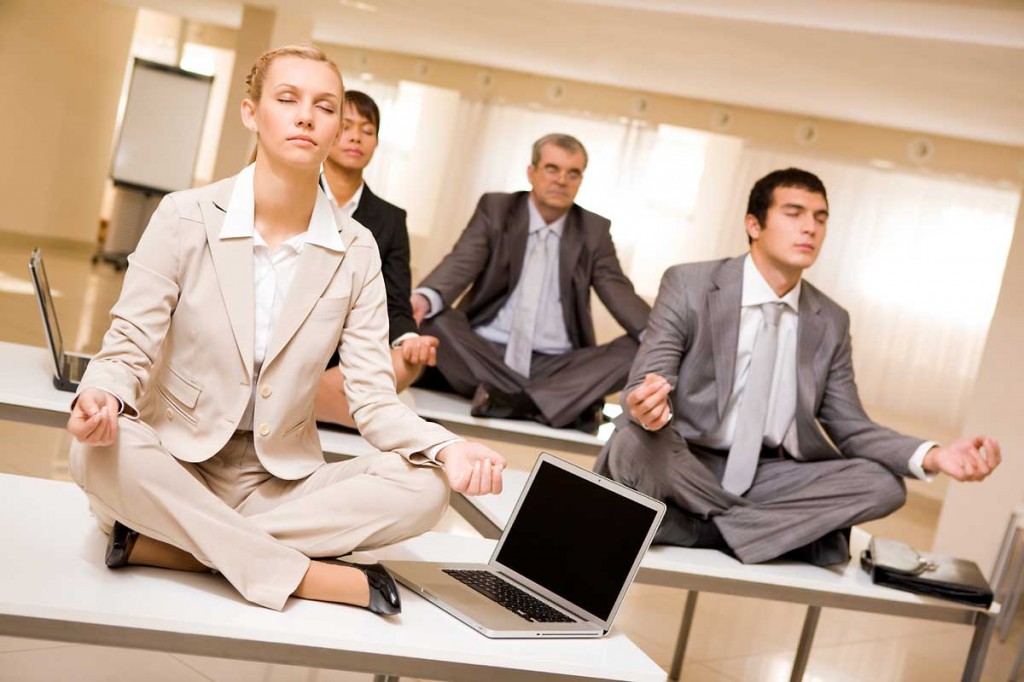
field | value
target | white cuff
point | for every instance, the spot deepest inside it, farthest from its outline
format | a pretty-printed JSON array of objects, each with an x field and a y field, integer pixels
[
  {"x": 916, "y": 464},
  {"x": 436, "y": 303},
  {"x": 431, "y": 452},
  {"x": 397, "y": 343},
  {"x": 644, "y": 426},
  {"x": 120, "y": 403}
]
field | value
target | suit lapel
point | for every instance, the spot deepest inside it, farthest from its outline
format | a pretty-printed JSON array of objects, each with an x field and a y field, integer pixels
[
  {"x": 518, "y": 227},
  {"x": 367, "y": 210},
  {"x": 570, "y": 246},
  {"x": 232, "y": 261},
  {"x": 313, "y": 273},
  {"x": 811, "y": 331},
  {"x": 724, "y": 310}
]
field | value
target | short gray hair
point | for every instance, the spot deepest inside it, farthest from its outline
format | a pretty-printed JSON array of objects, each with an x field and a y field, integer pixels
[{"x": 566, "y": 142}]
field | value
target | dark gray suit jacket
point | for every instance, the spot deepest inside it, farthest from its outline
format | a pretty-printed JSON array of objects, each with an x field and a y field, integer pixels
[
  {"x": 691, "y": 340},
  {"x": 490, "y": 253}
]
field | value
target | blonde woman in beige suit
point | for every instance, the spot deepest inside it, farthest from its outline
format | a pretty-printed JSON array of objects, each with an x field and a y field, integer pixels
[{"x": 194, "y": 432}]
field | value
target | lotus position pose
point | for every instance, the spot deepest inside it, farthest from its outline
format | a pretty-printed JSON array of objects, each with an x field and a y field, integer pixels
[
  {"x": 194, "y": 432},
  {"x": 741, "y": 411},
  {"x": 521, "y": 343}
]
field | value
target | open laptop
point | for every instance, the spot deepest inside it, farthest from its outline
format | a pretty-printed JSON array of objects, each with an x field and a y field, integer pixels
[
  {"x": 68, "y": 368},
  {"x": 562, "y": 565}
]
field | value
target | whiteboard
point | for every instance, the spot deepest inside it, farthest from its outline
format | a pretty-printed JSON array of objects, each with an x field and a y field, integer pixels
[{"x": 161, "y": 128}]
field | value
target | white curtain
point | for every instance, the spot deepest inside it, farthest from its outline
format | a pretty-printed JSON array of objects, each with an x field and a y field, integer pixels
[{"x": 917, "y": 260}]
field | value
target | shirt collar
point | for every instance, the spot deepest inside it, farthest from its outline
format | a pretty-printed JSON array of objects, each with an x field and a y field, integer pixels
[
  {"x": 351, "y": 205},
  {"x": 240, "y": 220},
  {"x": 537, "y": 222},
  {"x": 756, "y": 291}
]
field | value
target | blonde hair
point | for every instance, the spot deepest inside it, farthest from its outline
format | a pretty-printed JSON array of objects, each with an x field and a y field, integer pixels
[{"x": 258, "y": 72}]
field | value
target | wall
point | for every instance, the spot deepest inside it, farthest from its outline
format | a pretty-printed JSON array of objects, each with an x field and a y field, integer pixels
[
  {"x": 62, "y": 63},
  {"x": 886, "y": 147},
  {"x": 975, "y": 514}
]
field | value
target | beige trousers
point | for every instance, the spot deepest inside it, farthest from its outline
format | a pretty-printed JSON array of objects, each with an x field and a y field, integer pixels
[{"x": 257, "y": 530}]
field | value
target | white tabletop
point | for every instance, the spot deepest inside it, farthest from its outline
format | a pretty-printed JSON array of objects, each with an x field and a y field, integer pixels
[
  {"x": 27, "y": 394},
  {"x": 53, "y": 584},
  {"x": 452, "y": 411}
]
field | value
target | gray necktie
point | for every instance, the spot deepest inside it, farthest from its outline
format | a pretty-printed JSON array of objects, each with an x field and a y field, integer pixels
[
  {"x": 746, "y": 443},
  {"x": 524, "y": 321}
]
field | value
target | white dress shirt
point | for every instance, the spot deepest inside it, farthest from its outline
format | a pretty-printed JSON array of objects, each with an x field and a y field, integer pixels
[
  {"x": 273, "y": 271},
  {"x": 550, "y": 335},
  {"x": 780, "y": 425}
]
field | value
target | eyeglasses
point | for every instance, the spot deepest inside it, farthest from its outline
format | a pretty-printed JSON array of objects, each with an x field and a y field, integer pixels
[{"x": 554, "y": 172}]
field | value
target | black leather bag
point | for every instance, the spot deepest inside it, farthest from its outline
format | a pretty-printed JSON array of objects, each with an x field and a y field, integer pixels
[{"x": 895, "y": 564}]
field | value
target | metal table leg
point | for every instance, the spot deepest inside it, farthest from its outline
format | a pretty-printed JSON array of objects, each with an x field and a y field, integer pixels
[
  {"x": 803, "y": 650},
  {"x": 684, "y": 635},
  {"x": 1017, "y": 674},
  {"x": 1008, "y": 609},
  {"x": 385, "y": 678},
  {"x": 983, "y": 627}
]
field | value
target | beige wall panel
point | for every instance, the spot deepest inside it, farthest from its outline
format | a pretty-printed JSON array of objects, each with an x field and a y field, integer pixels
[
  {"x": 975, "y": 514},
  {"x": 62, "y": 64}
]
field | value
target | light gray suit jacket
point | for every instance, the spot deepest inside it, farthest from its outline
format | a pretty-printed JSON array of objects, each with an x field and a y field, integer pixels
[{"x": 691, "y": 340}]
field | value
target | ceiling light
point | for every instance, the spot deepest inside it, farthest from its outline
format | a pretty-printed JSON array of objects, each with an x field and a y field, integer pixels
[{"x": 356, "y": 4}]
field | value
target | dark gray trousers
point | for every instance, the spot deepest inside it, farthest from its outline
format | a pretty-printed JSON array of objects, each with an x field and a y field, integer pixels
[
  {"x": 562, "y": 386},
  {"x": 790, "y": 503}
]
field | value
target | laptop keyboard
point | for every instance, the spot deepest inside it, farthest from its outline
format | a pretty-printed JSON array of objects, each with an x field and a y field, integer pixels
[{"x": 511, "y": 597}]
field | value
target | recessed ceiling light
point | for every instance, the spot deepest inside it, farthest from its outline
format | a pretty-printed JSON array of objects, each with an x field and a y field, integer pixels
[{"x": 356, "y": 4}]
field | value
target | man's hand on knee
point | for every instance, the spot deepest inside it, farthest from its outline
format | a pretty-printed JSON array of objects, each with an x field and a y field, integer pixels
[
  {"x": 93, "y": 419},
  {"x": 472, "y": 468},
  {"x": 965, "y": 459},
  {"x": 420, "y": 307},
  {"x": 648, "y": 403}
]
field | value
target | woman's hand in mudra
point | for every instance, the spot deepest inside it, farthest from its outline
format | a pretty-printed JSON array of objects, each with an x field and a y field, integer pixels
[
  {"x": 94, "y": 417},
  {"x": 472, "y": 468}
]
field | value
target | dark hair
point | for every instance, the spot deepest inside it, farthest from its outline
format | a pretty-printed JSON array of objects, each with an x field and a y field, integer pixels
[
  {"x": 764, "y": 190},
  {"x": 365, "y": 105},
  {"x": 566, "y": 142}
]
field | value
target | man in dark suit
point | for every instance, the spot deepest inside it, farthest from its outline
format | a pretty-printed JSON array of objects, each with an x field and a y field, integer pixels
[
  {"x": 342, "y": 180},
  {"x": 741, "y": 410},
  {"x": 521, "y": 342}
]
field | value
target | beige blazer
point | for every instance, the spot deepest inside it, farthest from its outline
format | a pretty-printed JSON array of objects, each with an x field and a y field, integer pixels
[{"x": 179, "y": 351}]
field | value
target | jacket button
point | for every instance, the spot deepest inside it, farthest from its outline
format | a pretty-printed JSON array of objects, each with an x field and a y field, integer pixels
[
  {"x": 170, "y": 413},
  {"x": 266, "y": 392},
  {"x": 264, "y": 429}
]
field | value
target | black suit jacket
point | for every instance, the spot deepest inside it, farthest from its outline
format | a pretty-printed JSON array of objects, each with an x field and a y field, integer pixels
[
  {"x": 489, "y": 258},
  {"x": 387, "y": 224}
]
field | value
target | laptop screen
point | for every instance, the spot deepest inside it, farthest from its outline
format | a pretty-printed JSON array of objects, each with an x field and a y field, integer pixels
[
  {"x": 48, "y": 310},
  {"x": 576, "y": 538}
]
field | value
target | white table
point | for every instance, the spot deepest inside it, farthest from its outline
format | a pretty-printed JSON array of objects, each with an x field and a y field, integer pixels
[
  {"x": 702, "y": 570},
  {"x": 54, "y": 585},
  {"x": 452, "y": 412},
  {"x": 27, "y": 395}
]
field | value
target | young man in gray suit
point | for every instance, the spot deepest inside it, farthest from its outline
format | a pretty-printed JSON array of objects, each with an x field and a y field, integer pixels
[
  {"x": 521, "y": 343},
  {"x": 741, "y": 410}
]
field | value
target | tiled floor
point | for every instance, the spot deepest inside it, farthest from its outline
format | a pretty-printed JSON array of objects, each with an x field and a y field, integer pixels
[{"x": 733, "y": 638}]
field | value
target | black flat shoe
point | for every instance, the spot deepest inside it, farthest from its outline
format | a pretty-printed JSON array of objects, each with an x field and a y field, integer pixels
[
  {"x": 384, "y": 597},
  {"x": 119, "y": 545}
]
